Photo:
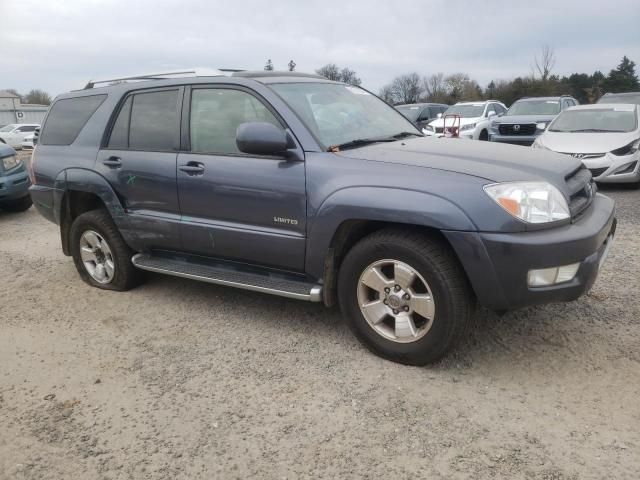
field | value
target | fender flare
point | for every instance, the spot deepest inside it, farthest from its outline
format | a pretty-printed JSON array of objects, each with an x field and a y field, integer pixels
[{"x": 383, "y": 204}]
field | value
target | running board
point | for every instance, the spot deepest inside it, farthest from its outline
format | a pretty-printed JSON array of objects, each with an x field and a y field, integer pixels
[{"x": 275, "y": 284}]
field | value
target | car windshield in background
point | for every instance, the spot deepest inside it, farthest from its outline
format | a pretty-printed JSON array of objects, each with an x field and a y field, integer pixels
[
  {"x": 8, "y": 128},
  {"x": 338, "y": 114},
  {"x": 620, "y": 99},
  {"x": 466, "y": 111},
  {"x": 535, "y": 107},
  {"x": 411, "y": 112},
  {"x": 618, "y": 119}
]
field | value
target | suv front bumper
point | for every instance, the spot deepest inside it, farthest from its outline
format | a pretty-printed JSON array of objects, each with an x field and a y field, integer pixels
[
  {"x": 525, "y": 140},
  {"x": 14, "y": 185},
  {"x": 497, "y": 264}
]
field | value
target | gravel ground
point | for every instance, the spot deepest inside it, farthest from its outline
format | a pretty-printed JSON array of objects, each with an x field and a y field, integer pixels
[{"x": 178, "y": 379}]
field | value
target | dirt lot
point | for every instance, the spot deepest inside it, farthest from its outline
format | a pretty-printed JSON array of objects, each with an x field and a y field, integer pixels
[{"x": 179, "y": 379}]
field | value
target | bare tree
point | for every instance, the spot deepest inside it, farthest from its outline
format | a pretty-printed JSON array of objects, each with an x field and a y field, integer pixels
[
  {"x": 434, "y": 88},
  {"x": 349, "y": 76},
  {"x": 39, "y": 97},
  {"x": 291, "y": 65},
  {"x": 386, "y": 94},
  {"x": 545, "y": 62},
  {"x": 269, "y": 65},
  {"x": 330, "y": 71},
  {"x": 15, "y": 92},
  {"x": 406, "y": 88}
]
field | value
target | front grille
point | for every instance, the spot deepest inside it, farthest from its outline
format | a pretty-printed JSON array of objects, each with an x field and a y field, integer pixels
[
  {"x": 582, "y": 190},
  {"x": 517, "y": 128},
  {"x": 439, "y": 129},
  {"x": 596, "y": 172},
  {"x": 584, "y": 156}
]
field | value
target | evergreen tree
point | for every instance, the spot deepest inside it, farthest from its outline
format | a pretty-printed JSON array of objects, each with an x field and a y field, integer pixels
[{"x": 623, "y": 78}]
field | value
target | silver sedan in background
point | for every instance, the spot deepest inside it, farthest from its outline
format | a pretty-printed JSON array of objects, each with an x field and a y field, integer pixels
[{"x": 606, "y": 137}]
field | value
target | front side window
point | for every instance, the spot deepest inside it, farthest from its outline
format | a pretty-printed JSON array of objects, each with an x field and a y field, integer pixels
[
  {"x": 409, "y": 111},
  {"x": 154, "y": 121},
  {"x": 216, "y": 114},
  {"x": 67, "y": 118},
  {"x": 535, "y": 107},
  {"x": 619, "y": 119},
  {"x": 337, "y": 114},
  {"x": 27, "y": 128},
  {"x": 119, "y": 139}
]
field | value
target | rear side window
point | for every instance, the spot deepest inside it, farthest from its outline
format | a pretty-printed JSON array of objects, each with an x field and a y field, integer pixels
[
  {"x": 67, "y": 117},
  {"x": 154, "y": 121}
]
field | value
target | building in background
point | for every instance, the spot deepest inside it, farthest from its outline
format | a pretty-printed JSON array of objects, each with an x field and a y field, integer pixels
[{"x": 12, "y": 110}]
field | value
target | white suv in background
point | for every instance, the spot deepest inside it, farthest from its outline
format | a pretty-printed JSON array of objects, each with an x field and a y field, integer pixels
[
  {"x": 14, "y": 134},
  {"x": 475, "y": 118}
]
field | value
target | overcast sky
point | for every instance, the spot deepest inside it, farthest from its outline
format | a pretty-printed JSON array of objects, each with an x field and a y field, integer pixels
[{"x": 59, "y": 45}]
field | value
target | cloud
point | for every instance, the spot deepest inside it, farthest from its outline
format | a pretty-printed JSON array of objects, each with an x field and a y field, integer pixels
[{"x": 59, "y": 45}]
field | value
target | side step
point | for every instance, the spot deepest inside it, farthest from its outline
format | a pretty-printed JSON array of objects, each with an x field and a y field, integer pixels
[{"x": 232, "y": 276}]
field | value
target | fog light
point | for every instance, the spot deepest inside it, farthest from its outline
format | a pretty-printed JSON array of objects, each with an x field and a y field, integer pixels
[{"x": 552, "y": 276}]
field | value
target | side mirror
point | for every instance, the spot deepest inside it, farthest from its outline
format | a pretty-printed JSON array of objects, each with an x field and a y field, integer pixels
[
  {"x": 439, "y": 115},
  {"x": 36, "y": 134},
  {"x": 261, "y": 138},
  {"x": 491, "y": 114}
]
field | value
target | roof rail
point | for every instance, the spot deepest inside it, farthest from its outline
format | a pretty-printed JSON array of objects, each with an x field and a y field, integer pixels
[
  {"x": 275, "y": 73},
  {"x": 196, "y": 72}
]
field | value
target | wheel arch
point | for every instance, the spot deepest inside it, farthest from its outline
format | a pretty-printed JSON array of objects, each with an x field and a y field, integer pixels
[
  {"x": 80, "y": 191},
  {"x": 351, "y": 214}
]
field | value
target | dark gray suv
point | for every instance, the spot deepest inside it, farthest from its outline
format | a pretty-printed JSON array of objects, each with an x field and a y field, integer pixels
[
  {"x": 298, "y": 186},
  {"x": 527, "y": 119}
]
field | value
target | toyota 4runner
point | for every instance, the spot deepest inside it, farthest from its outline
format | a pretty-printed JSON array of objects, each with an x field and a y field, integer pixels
[{"x": 295, "y": 185}]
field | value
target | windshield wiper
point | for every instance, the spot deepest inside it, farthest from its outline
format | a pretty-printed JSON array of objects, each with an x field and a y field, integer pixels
[
  {"x": 400, "y": 135},
  {"x": 359, "y": 142}
]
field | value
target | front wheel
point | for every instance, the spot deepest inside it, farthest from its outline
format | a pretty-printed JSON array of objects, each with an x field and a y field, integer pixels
[
  {"x": 405, "y": 296},
  {"x": 100, "y": 254},
  {"x": 484, "y": 136}
]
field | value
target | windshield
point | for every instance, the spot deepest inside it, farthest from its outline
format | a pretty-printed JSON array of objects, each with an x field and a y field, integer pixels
[
  {"x": 468, "y": 110},
  {"x": 8, "y": 128},
  {"x": 635, "y": 98},
  {"x": 618, "y": 119},
  {"x": 338, "y": 114},
  {"x": 409, "y": 111},
  {"x": 535, "y": 107}
]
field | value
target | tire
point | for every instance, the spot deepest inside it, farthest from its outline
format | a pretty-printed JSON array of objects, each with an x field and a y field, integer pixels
[
  {"x": 20, "y": 205},
  {"x": 97, "y": 224},
  {"x": 434, "y": 263},
  {"x": 484, "y": 136}
]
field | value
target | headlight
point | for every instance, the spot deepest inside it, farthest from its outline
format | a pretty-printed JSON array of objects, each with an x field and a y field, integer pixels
[
  {"x": 531, "y": 202},
  {"x": 429, "y": 128},
  {"x": 468, "y": 126},
  {"x": 537, "y": 143},
  {"x": 541, "y": 126},
  {"x": 627, "y": 149},
  {"x": 10, "y": 162}
]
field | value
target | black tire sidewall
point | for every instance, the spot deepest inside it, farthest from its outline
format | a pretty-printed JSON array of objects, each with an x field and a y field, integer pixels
[
  {"x": 100, "y": 222},
  {"x": 16, "y": 206},
  {"x": 436, "y": 341}
]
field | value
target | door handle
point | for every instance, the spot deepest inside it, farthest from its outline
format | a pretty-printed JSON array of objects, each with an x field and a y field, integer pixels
[
  {"x": 113, "y": 162},
  {"x": 192, "y": 168}
]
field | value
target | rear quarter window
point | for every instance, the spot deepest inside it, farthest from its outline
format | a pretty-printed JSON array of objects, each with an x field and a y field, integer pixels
[{"x": 67, "y": 118}]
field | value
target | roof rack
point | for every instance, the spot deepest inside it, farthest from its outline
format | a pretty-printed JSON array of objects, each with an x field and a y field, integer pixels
[
  {"x": 274, "y": 73},
  {"x": 197, "y": 72}
]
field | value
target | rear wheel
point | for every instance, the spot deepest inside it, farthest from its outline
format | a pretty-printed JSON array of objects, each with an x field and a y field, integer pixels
[
  {"x": 19, "y": 205},
  {"x": 100, "y": 254},
  {"x": 405, "y": 296}
]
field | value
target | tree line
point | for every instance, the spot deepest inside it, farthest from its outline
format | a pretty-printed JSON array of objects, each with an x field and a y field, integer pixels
[{"x": 39, "y": 97}]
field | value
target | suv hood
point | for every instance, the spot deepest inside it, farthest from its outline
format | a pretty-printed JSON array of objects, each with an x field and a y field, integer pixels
[
  {"x": 491, "y": 161},
  {"x": 439, "y": 122},
  {"x": 524, "y": 119},
  {"x": 586, "y": 142}
]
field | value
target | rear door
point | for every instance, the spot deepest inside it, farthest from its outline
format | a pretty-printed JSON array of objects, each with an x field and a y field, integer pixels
[
  {"x": 139, "y": 161},
  {"x": 236, "y": 206}
]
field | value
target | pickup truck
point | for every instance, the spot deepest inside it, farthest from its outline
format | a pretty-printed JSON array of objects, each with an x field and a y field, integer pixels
[{"x": 294, "y": 185}]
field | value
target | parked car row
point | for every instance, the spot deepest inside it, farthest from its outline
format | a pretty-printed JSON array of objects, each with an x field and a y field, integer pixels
[
  {"x": 18, "y": 135},
  {"x": 605, "y": 136}
]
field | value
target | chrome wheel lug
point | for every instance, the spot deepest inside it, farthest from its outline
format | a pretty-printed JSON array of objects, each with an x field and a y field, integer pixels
[
  {"x": 406, "y": 296},
  {"x": 385, "y": 301},
  {"x": 406, "y": 309},
  {"x": 396, "y": 288},
  {"x": 387, "y": 290},
  {"x": 395, "y": 312}
]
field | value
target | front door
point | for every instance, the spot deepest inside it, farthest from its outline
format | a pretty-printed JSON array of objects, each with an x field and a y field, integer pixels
[
  {"x": 237, "y": 206},
  {"x": 139, "y": 162}
]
